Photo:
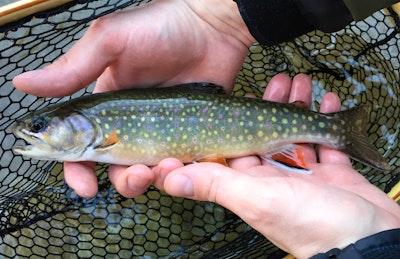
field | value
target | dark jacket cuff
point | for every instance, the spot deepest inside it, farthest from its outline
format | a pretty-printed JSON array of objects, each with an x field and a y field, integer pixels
[
  {"x": 385, "y": 244},
  {"x": 276, "y": 21}
]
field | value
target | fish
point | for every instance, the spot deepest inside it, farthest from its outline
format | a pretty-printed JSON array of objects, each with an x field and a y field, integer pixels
[{"x": 191, "y": 122}]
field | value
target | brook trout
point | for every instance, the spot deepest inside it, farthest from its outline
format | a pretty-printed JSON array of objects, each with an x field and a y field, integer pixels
[{"x": 191, "y": 122}]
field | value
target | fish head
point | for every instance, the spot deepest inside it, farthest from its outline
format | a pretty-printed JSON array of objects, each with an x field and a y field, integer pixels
[{"x": 54, "y": 135}]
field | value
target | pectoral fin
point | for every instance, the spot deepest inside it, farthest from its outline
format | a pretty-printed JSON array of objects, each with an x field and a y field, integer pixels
[
  {"x": 109, "y": 142},
  {"x": 217, "y": 158}
]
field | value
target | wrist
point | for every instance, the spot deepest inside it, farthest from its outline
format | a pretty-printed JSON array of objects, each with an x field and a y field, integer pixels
[{"x": 224, "y": 16}]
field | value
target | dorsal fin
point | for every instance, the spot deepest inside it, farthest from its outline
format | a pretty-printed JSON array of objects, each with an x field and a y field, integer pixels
[{"x": 204, "y": 87}]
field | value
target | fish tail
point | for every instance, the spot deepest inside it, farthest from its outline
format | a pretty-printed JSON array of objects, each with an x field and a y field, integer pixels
[{"x": 358, "y": 146}]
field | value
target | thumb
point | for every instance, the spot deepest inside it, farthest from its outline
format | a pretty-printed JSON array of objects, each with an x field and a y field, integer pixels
[
  {"x": 74, "y": 70},
  {"x": 236, "y": 191}
]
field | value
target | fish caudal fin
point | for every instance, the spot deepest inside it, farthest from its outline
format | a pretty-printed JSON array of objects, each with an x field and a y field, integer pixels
[{"x": 358, "y": 145}]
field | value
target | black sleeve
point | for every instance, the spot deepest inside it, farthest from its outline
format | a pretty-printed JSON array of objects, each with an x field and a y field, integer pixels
[
  {"x": 275, "y": 21},
  {"x": 385, "y": 244}
]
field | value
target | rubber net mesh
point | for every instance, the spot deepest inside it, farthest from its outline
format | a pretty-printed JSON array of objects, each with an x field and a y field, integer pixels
[{"x": 41, "y": 217}]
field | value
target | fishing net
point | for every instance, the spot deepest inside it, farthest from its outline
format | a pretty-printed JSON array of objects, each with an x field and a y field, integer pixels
[{"x": 41, "y": 217}]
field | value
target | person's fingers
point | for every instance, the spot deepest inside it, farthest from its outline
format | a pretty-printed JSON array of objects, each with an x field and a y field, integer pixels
[
  {"x": 242, "y": 163},
  {"x": 131, "y": 181},
  {"x": 163, "y": 169},
  {"x": 81, "y": 178},
  {"x": 77, "y": 68},
  {"x": 254, "y": 198},
  {"x": 331, "y": 103},
  {"x": 211, "y": 182},
  {"x": 278, "y": 89},
  {"x": 301, "y": 90}
]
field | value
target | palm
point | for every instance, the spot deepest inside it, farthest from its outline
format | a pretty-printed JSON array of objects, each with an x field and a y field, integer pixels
[
  {"x": 160, "y": 43},
  {"x": 168, "y": 51},
  {"x": 335, "y": 197}
]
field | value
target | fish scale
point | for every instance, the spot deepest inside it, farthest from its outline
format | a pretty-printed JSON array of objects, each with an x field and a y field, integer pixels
[{"x": 191, "y": 122}]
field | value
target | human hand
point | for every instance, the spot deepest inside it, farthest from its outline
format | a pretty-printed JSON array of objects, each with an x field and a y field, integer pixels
[
  {"x": 302, "y": 214},
  {"x": 162, "y": 43}
]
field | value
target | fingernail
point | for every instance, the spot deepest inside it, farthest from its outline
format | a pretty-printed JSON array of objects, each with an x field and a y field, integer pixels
[
  {"x": 30, "y": 74},
  {"x": 183, "y": 186}
]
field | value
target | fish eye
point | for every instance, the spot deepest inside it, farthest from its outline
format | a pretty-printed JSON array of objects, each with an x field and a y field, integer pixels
[{"x": 38, "y": 124}]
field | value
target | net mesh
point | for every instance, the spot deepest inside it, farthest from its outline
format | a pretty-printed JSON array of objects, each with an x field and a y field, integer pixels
[{"x": 41, "y": 217}]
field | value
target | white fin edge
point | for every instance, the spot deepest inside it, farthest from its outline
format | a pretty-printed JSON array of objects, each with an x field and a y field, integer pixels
[{"x": 288, "y": 168}]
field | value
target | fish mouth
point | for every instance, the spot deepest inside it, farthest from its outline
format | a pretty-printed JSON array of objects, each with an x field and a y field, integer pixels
[{"x": 34, "y": 145}]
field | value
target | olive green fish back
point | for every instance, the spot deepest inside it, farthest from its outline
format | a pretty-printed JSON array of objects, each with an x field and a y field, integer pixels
[{"x": 41, "y": 217}]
